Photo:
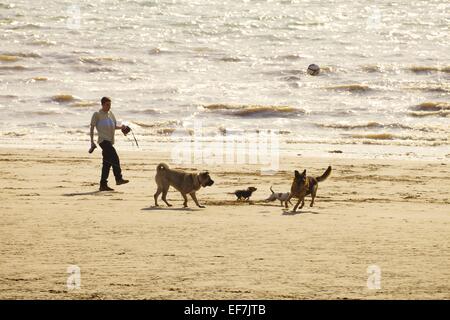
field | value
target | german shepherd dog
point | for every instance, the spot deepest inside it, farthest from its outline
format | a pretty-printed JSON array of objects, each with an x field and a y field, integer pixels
[
  {"x": 304, "y": 185},
  {"x": 185, "y": 183}
]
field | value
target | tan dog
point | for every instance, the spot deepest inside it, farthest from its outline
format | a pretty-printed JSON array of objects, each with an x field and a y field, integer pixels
[
  {"x": 186, "y": 183},
  {"x": 283, "y": 197},
  {"x": 304, "y": 185}
]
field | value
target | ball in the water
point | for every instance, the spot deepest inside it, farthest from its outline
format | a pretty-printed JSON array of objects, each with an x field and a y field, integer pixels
[{"x": 313, "y": 69}]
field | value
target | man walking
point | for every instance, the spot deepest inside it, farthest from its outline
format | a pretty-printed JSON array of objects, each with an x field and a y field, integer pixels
[{"x": 106, "y": 125}]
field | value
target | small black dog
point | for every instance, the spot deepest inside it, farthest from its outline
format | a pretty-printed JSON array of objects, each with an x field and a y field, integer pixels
[{"x": 244, "y": 194}]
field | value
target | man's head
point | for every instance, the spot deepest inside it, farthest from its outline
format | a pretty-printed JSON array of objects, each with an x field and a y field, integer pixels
[{"x": 106, "y": 104}]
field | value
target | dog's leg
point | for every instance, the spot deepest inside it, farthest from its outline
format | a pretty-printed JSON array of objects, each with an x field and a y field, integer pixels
[
  {"x": 164, "y": 194},
  {"x": 288, "y": 199},
  {"x": 185, "y": 200},
  {"x": 194, "y": 197},
  {"x": 281, "y": 202},
  {"x": 296, "y": 206},
  {"x": 313, "y": 195},
  {"x": 303, "y": 202},
  {"x": 158, "y": 192}
]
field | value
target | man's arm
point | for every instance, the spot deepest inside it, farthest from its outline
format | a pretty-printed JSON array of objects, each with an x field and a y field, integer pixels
[
  {"x": 93, "y": 123},
  {"x": 92, "y": 134},
  {"x": 115, "y": 122}
]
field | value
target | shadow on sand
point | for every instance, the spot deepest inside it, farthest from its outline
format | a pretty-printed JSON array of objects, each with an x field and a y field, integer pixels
[
  {"x": 91, "y": 193},
  {"x": 153, "y": 208},
  {"x": 292, "y": 213}
]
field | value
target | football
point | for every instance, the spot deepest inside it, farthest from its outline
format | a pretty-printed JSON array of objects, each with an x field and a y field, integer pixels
[{"x": 313, "y": 69}]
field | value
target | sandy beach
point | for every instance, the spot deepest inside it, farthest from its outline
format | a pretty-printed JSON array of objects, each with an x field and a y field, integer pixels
[
  {"x": 363, "y": 87},
  {"x": 392, "y": 214}
]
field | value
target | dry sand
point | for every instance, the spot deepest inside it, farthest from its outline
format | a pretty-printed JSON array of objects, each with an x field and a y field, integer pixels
[{"x": 393, "y": 214}]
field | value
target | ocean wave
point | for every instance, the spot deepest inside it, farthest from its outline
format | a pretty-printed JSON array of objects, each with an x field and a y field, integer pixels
[
  {"x": 42, "y": 43},
  {"x": 441, "y": 113},
  {"x": 291, "y": 78},
  {"x": 39, "y": 79},
  {"x": 84, "y": 104},
  {"x": 7, "y": 6},
  {"x": 230, "y": 59},
  {"x": 5, "y": 21},
  {"x": 371, "y": 68},
  {"x": 254, "y": 110},
  {"x": 175, "y": 132},
  {"x": 158, "y": 51},
  {"x": 8, "y": 96},
  {"x": 48, "y": 112},
  {"x": 391, "y": 136},
  {"x": 236, "y": 131},
  {"x": 8, "y": 58},
  {"x": 328, "y": 69},
  {"x": 40, "y": 125},
  {"x": 76, "y": 131},
  {"x": 63, "y": 98},
  {"x": 291, "y": 72},
  {"x": 13, "y": 68},
  {"x": 73, "y": 101},
  {"x": 428, "y": 69},
  {"x": 27, "y": 26},
  {"x": 100, "y": 69},
  {"x": 158, "y": 124},
  {"x": 368, "y": 125},
  {"x": 13, "y": 134},
  {"x": 103, "y": 60},
  {"x": 350, "y": 87},
  {"x": 21, "y": 54},
  {"x": 432, "y": 106},
  {"x": 432, "y": 87},
  {"x": 290, "y": 57},
  {"x": 374, "y": 136},
  {"x": 146, "y": 111}
]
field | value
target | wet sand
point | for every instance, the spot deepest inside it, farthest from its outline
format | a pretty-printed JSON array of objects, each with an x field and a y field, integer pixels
[{"x": 392, "y": 214}]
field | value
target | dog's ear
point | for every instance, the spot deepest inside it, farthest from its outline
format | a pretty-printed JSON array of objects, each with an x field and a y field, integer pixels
[
  {"x": 304, "y": 172},
  {"x": 297, "y": 174}
]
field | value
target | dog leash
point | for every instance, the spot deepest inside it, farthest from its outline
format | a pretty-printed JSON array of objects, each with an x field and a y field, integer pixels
[{"x": 135, "y": 140}]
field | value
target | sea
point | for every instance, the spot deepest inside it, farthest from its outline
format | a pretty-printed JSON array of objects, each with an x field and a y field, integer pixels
[{"x": 231, "y": 68}]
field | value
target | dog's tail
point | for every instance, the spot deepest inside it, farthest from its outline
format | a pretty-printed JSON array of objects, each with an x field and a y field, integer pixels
[
  {"x": 325, "y": 175},
  {"x": 271, "y": 189},
  {"x": 161, "y": 167}
]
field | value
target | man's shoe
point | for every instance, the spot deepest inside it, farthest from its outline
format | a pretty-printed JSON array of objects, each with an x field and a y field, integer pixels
[
  {"x": 121, "y": 181},
  {"x": 104, "y": 187}
]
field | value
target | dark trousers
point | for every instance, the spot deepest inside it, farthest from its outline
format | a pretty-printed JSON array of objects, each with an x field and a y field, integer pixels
[{"x": 110, "y": 159}]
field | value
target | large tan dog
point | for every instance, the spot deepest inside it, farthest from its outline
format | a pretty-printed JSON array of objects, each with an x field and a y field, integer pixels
[
  {"x": 304, "y": 185},
  {"x": 186, "y": 183}
]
